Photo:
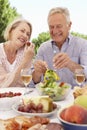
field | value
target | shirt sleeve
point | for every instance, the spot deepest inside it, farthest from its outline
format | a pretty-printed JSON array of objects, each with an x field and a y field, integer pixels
[{"x": 83, "y": 58}]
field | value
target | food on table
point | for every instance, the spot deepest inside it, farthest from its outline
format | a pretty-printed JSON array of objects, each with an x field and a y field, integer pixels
[
  {"x": 57, "y": 91},
  {"x": 40, "y": 104},
  {"x": 54, "y": 126},
  {"x": 50, "y": 126},
  {"x": 79, "y": 91},
  {"x": 51, "y": 87},
  {"x": 9, "y": 98},
  {"x": 9, "y": 124},
  {"x": 74, "y": 114},
  {"x": 81, "y": 100},
  {"x": 22, "y": 123},
  {"x": 9, "y": 94},
  {"x": 50, "y": 76},
  {"x": 38, "y": 127}
]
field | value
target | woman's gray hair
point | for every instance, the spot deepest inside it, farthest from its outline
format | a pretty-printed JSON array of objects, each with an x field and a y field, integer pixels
[
  {"x": 61, "y": 10},
  {"x": 15, "y": 24}
]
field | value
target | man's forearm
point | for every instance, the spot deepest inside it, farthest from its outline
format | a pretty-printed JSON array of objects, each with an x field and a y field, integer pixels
[{"x": 72, "y": 66}]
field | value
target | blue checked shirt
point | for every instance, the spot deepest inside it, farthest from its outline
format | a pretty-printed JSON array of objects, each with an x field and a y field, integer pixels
[{"x": 75, "y": 47}]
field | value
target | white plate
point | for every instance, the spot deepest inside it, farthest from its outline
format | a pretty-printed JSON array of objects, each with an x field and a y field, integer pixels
[
  {"x": 15, "y": 108},
  {"x": 12, "y": 89},
  {"x": 7, "y": 102}
]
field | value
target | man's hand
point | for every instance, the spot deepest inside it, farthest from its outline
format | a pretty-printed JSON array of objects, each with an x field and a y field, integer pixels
[
  {"x": 40, "y": 66},
  {"x": 61, "y": 60}
]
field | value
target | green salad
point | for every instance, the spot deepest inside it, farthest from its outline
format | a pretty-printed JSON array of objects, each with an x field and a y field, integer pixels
[
  {"x": 54, "y": 90},
  {"x": 51, "y": 87}
]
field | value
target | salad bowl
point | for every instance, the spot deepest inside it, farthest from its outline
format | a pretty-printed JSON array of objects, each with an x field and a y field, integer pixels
[{"x": 57, "y": 91}]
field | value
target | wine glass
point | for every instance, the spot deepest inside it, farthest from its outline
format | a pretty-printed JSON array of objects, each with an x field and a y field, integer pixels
[
  {"x": 79, "y": 76},
  {"x": 26, "y": 76}
]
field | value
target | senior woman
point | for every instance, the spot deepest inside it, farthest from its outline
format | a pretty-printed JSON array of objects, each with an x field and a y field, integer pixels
[{"x": 15, "y": 54}]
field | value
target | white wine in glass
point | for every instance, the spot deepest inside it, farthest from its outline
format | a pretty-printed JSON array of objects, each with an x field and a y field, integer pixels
[
  {"x": 26, "y": 76},
  {"x": 79, "y": 76}
]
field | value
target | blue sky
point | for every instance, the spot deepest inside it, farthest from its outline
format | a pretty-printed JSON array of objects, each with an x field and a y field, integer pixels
[{"x": 36, "y": 11}]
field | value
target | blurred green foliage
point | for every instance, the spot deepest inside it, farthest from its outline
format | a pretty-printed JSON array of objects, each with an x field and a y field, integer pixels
[
  {"x": 7, "y": 14},
  {"x": 44, "y": 36}
]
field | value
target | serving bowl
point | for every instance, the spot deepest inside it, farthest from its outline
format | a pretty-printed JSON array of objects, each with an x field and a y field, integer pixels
[
  {"x": 57, "y": 91},
  {"x": 70, "y": 126},
  {"x": 8, "y": 97}
]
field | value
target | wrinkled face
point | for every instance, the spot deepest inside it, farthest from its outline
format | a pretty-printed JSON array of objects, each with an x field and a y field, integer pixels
[
  {"x": 20, "y": 34},
  {"x": 59, "y": 28}
]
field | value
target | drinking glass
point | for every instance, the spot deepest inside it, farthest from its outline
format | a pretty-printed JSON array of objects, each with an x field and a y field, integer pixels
[
  {"x": 26, "y": 76},
  {"x": 79, "y": 76}
]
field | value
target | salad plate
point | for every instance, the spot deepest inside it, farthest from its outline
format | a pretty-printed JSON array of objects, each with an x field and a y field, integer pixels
[
  {"x": 55, "y": 90},
  {"x": 48, "y": 114}
]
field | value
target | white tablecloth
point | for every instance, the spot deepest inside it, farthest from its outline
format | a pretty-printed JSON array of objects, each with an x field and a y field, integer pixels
[{"x": 8, "y": 114}]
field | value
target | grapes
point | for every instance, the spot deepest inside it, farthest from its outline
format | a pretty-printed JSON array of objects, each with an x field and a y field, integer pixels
[
  {"x": 28, "y": 43},
  {"x": 9, "y": 94},
  {"x": 32, "y": 108},
  {"x": 54, "y": 106},
  {"x": 21, "y": 108}
]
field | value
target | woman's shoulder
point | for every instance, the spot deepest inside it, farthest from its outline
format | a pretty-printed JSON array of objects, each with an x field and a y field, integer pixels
[
  {"x": 1, "y": 52},
  {"x": 1, "y": 47},
  {"x": 1, "y": 44}
]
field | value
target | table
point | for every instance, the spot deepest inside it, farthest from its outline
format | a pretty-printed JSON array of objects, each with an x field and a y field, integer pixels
[{"x": 8, "y": 114}]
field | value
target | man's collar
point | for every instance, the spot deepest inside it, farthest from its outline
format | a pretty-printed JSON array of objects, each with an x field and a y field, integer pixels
[{"x": 67, "y": 40}]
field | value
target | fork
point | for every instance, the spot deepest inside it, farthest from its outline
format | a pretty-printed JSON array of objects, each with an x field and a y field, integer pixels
[{"x": 28, "y": 92}]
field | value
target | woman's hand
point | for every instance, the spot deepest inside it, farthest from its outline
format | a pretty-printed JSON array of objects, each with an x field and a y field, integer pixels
[{"x": 29, "y": 51}]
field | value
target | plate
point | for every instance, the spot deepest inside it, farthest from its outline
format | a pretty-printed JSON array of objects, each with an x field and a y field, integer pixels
[
  {"x": 12, "y": 89},
  {"x": 7, "y": 102},
  {"x": 15, "y": 108}
]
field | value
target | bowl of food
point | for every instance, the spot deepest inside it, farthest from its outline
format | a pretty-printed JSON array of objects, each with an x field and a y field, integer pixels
[
  {"x": 8, "y": 97},
  {"x": 73, "y": 117},
  {"x": 52, "y": 87},
  {"x": 57, "y": 91},
  {"x": 36, "y": 106}
]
